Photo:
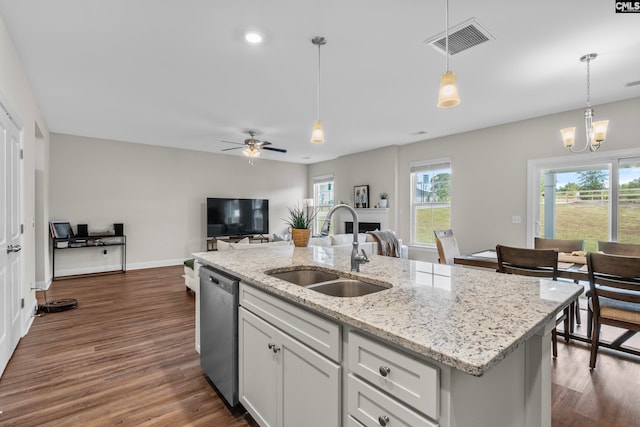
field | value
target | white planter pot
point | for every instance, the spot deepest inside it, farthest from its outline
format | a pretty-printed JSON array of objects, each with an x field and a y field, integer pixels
[{"x": 383, "y": 203}]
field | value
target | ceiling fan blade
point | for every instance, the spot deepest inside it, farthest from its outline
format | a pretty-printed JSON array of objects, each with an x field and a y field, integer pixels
[
  {"x": 279, "y": 150},
  {"x": 233, "y": 148},
  {"x": 265, "y": 143},
  {"x": 232, "y": 142}
]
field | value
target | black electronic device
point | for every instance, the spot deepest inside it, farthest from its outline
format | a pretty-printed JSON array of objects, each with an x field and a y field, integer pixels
[
  {"x": 118, "y": 229},
  {"x": 237, "y": 217},
  {"x": 83, "y": 230}
]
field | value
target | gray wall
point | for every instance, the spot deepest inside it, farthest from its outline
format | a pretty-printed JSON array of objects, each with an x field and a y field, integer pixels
[
  {"x": 158, "y": 193},
  {"x": 489, "y": 172}
]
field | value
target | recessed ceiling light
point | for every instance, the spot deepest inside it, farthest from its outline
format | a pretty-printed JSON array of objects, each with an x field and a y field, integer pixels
[{"x": 253, "y": 38}]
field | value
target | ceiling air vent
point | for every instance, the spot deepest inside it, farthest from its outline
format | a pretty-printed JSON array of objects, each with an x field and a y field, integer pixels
[{"x": 461, "y": 37}]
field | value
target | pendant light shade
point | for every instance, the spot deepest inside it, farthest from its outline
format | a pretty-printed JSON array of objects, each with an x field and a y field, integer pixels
[
  {"x": 317, "y": 134},
  {"x": 448, "y": 96}
]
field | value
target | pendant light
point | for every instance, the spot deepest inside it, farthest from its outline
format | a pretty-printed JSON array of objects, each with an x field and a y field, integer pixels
[
  {"x": 596, "y": 132},
  {"x": 448, "y": 96},
  {"x": 317, "y": 134}
]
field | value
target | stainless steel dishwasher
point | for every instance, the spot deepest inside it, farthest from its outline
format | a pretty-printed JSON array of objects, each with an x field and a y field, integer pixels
[{"x": 219, "y": 331}]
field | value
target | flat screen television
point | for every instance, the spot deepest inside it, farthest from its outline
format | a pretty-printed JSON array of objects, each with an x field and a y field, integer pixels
[{"x": 237, "y": 217}]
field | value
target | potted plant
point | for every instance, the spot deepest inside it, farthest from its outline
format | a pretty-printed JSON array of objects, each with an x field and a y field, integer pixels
[
  {"x": 383, "y": 199},
  {"x": 300, "y": 223}
]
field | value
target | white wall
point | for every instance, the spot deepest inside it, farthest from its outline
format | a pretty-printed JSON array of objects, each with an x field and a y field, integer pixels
[
  {"x": 158, "y": 193},
  {"x": 489, "y": 172},
  {"x": 15, "y": 89}
]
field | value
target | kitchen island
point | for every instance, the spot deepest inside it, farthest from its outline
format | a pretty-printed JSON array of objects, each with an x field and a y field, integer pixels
[{"x": 486, "y": 335}]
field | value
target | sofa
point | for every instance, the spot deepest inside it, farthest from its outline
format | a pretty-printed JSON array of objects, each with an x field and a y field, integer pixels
[{"x": 366, "y": 241}]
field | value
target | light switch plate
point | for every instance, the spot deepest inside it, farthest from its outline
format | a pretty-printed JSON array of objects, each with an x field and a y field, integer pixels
[{"x": 516, "y": 219}]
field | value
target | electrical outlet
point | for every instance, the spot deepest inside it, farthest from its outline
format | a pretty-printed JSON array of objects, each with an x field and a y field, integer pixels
[
  {"x": 104, "y": 252},
  {"x": 516, "y": 219}
]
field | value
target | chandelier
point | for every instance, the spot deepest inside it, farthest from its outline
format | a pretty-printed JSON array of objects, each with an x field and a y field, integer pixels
[{"x": 596, "y": 132}]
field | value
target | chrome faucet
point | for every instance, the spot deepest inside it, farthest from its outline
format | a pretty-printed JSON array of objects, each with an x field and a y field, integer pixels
[{"x": 356, "y": 257}]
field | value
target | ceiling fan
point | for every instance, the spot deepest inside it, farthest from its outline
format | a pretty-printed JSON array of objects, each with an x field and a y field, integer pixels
[{"x": 252, "y": 146}]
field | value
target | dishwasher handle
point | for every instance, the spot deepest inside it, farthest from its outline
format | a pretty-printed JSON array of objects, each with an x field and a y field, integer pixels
[{"x": 213, "y": 279}]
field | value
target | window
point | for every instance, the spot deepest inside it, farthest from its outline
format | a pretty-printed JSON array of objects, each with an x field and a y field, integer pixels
[
  {"x": 430, "y": 200},
  {"x": 594, "y": 197},
  {"x": 323, "y": 191}
]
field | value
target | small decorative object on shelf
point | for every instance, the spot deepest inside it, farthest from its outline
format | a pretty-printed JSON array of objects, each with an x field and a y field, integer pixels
[
  {"x": 383, "y": 199},
  {"x": 300, "y": 223}
]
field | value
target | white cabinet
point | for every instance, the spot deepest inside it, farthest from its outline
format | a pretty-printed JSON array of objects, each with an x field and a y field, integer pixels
[
  {"x": 386, "y": 384},
  {"x": 284, "y": 382}
]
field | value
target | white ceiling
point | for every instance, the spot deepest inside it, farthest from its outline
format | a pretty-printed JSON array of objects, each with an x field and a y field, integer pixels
[{"x": 178, "y": 73}]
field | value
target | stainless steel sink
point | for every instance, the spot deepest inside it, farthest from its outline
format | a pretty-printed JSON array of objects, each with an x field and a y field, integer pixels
[
  {"x": 346, "y": 288},
  {"x": 327, "y": 283},
  {"x": 305, "y": 277}
]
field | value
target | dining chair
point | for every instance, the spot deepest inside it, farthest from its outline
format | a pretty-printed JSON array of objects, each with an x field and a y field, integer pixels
[
  {"x": 537, "y": 263},
  {"x": 614, "y": 282},
  {"x": 566, "y": 246},
  {"x": 447, "y": 246},
  {"x": 615, "y": 248}
]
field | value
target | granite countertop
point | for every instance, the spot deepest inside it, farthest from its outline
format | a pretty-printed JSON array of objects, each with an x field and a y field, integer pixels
[{"x": 465, "y": 318}]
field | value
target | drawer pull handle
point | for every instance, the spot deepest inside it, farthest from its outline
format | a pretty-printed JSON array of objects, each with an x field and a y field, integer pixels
[
  {"x": 383, "y": 420},
  {"x": 384, "y": 370}
]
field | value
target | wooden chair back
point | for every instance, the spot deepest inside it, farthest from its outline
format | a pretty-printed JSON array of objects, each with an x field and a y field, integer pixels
[
  {"x": 566, "y": 246},
  {"x": 614, "y": 286},
  {"x": 447, "y": 246},
  {"x": 528, "y": 262},
  {"x": 615, "y": 248}
]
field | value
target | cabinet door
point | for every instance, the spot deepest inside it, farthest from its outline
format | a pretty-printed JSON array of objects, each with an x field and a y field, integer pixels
[
  {"x": 257, "y": 367},
  {"x": 309, "y": 386}
]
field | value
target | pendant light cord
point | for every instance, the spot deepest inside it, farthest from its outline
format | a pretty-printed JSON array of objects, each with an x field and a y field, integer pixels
[
  {"x": 588, "y": 83},
  {"x": 446, "y": 34},
  {"x": 318, "y": 94}
]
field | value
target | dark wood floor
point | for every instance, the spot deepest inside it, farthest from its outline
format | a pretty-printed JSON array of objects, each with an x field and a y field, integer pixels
[{"x": 126, "y": 357}]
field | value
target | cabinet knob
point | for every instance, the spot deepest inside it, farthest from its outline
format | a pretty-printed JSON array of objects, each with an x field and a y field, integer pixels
[
  {"x": 383, "y": 420},
  {"x": 273, "y": 347},
  {"x": 384, "y": 370}
]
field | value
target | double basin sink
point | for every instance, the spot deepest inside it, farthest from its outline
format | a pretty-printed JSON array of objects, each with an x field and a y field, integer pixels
[{"x": 327, "y": 283}]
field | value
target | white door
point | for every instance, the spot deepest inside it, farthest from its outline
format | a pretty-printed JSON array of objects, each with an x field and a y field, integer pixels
[{"x": 10, "y": 238}]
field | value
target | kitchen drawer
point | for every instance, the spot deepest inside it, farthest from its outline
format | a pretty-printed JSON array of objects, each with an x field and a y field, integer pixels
[
  {"x": 352, "y": 422},
  {"x": 407, "y": 378},
  {"x": 315, "y": 331},
  {"x": 372, "y": 408}
]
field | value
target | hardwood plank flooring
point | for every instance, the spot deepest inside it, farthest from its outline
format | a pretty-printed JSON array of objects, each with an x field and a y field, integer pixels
[{"x": 126, "y": 357}]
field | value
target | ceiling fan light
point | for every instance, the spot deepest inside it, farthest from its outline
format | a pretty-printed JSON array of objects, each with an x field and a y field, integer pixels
[
  {"x": 600, "y": 131},
  {"x": 448, "y": 96},
  {"x": 568, "y": 136},
  {"x": 251, "y": 152},
  {"x": 317, "y": 134}
]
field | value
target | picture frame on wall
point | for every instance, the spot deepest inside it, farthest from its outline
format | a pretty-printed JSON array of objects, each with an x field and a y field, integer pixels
[{"x": 361, "y": 196}]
